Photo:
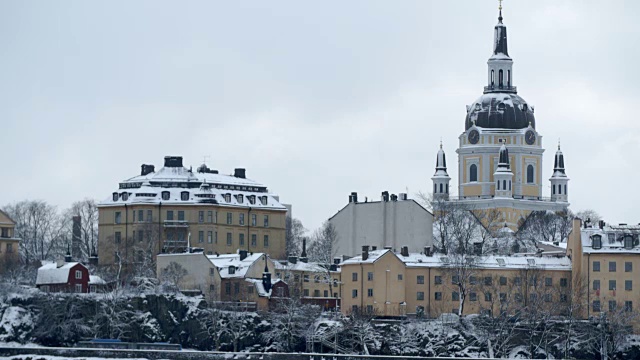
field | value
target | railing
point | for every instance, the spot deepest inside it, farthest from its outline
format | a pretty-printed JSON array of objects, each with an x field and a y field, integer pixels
[
  {"x": 497, "y": 88},
  {"x": 517, "y": 197},
  {"x": 176, "y": 223}
]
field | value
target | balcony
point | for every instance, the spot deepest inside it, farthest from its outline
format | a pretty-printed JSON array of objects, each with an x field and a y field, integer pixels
[
  {"x": 176, "y": 224},
  {"x": 497, "y": 88}
]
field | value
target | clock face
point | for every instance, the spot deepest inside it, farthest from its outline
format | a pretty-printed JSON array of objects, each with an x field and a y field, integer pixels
[
  {"x": 474, "y": 136},
  {"x": 530, "y": 137}
]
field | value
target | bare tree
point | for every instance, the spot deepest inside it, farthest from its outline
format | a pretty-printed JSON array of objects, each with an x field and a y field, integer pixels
[
  {"x": 322, "y": 250},
  {"x": 289, "y": 324},
  {"x": 609, "y": 332},
  {"x": 359, "y": 326},
  {"x": 461, "y": 275},
  {"x": 87, "y": 243},
  {"x": 546, "y": 226},
  {"x": 589, "y": 214},
  {"x": 172, "y": 275},
  {"x": 294, "y": 234},
  {"x": 42, "y": 230}
]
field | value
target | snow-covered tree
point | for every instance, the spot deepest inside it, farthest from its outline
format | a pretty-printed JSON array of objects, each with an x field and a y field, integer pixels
[
  {"x": 289, "y": 324},
  {"x": 294, "y": 233}
]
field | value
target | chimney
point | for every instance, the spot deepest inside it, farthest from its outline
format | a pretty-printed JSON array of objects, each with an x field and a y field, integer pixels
[
  {"x": 266, "y": 276},
  {"x": 243, "y": 254},
  {"x": 240, "y": 173},
  {"x": 365, "y": 252},
  {"x": 353, "y": 198},
  {"x": 374, "y": 248},
  {"x": 404, "y": 251},
  {"x": 427, "y": 250},
  {"x": 67, "y": 257},
  {"x": 60, "y": 262},
  {"x": 403, "y": 196},
  {"x": 601, "y": 223},
  {"x": 394, "y": 197},
  {"x": 303, "y": 256},
  {"x": 337, "y": 260},
  {"x": 477, "y": 248},
  {"x": 385, "y": 196},
  {"x": 173, "y": 161},
  {"x": 388, "y": 247},
  {"x": 333, "y": 267},
  {"x": 147, "y": 169},
  {"x": 293, "y": 259}
]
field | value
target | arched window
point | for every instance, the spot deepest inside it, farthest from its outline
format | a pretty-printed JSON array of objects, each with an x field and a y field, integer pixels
[
  {"x": 473, "y": 173},
  {"x": 498, "y": 184},
  {"x": 504, "y": 184},
  {"x": 530, "y": 174},
  {"x": 165, "y": 195},
  {"x": 184, "y": 196},
  {"x": 500, "y": 78},
  {"x": 565, "y": 189},
  {"x": 435, "y": 188},
  {"x": 441, "y": 189},
  {"x": 554, "y": 190},
  {"x": 509, "y": 185},
  {"x": 509, "y": 78},
  {"x": 492, "y": 78}
]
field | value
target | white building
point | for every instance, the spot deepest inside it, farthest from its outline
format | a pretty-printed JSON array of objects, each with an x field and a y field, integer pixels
[{"x": 394, "y": 221}]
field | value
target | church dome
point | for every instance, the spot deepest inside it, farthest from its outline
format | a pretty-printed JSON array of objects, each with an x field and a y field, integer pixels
[{"x": 500, "y": 111}]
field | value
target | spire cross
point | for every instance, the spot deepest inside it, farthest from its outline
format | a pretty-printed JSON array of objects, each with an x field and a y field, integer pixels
[
  {"x": 500, "y": 11},
  {"x": 558, "y": 143}
]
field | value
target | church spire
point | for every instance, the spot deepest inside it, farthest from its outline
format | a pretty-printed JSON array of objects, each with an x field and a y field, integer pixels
[
  {"x": 558, "y": 165},
  {"x": 500, "y": 39},
  {"x": 559, "y": 180},
  {"x": 441, "y": 177}
]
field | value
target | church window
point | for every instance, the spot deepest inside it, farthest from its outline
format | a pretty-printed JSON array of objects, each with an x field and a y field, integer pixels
[
  {"x": 435, "y": 188},
  {"x": 530, "y": 174},
  {"x": 498, "y": 184},
  {"x": 492, "y": 77},
  {"x": 553, "y": 189},
  {"x": 473, "y": 173},
  {"x": 565, "y": 189},
  {"x": 441, "y": 189},
  {"x": 509, "y": 185},
  {"x": 504, "y": 184},
  {"x": 446, "y": 189},
  {"x": 509, "y": 78},
  {"x": 500, "y": 78}
]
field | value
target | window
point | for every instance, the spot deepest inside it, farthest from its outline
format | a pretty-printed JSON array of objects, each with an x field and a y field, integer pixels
[
  {"x": 596, "y": 241},
  {"x": 438, "y": 296},
  {"x": 455, "y": 296},
  {"x": 266, "y": 221},
  {"x": 140, "y": 215},
  {"x": 166, "y": 195},
  {"x": 227, "y": 198},
  {"x": 628, "y": 241},
  {"x": 326, "y": 293},
  {"x": 487, "y": 296},
  {"x": 252, "y": 199},
  {"x": 369, "y": 276},
  {"x": 438, "y": 280},
  {"x": 420, "y": 295},
  {"x": 125, "y": 196},
  {"x": 533, "y": 281},
  {"x": 504, "y": 184},
  {"x": 628, "y": 285},
  {"x": 354, "y": 277},
  {"x": 612, "y": 284},
  {"x": 227, "y": 288},
  {"x": 229, "y": 239},
  {"x": 266, "y": 241},
  {"x": 180, "y": 215},
  {"x": 118, "y": 217},
  {"x": 548, "y": 297},
  {"x": 236, "y": 288},
  {"x": 563, "y": 282},
  {"x": 210, "y": 237},
  {"x": 596, "y": 266},
  {"x": 78, "y": 288},
  {"x": 529, "y": 174},
  {"x": 296, "y": 278},
  {"x": 473, "y": 296},
  {"x": 306, "y": 292},
  {"x": 628, "y": 306},
  {"x": 473, "y": 280},
  {"x": 115, "y": 196},
  {"x": 149, "y": 215},
  {"x": 241, "y": 219},
  {"x": 518, "y": 297},
  {"x": 263, "y": 200},
  {"x": 232, "y": 270},
  {"x": 612, "y": 266},
  {"x": 254, "y": 219},
  {"x": 200, "y": 237},
  {"x": 229, "y": 218},
  {"x": 441, "y": 188},
  {"x": 209, "y": 216},
  {"x": 420, "y": 279},
  {"x": 548, "y": 281},
  {"x": 454, "y": 280},
  {"x": 500, "y": 78},
  {"x": 611, "y": 237},
  {"x": 554, "y": 189},
  {"x": 473, "y": 173},
  {"x": 628, "y": 266},
  {"x": 78, "y": 274},
  {"x": 212, "y": 288},
  {"x": 212, "y": 271},
  {"x": 399, "y": 277},
  {"x": 487, "y": 281},
  {"x": 354, "y": 293},
  {"x": 240, "y": 198},
  {"x": 9, "y": 248},
  {"x": 517, "y": 281},
  {"x": 241, "y": 239},
  {"x": 170, "y": 215},
  {"x": 370, "y": 292},
  {"x": 140, "y": 235},
  {"x": 117, "y": 236},
  {"x": 492, "y": 77},
  {"x": 201, "y": 216},
  {"x": 563, "y": 297},
  {"x": 503, "y": 297},
  {"x": 533, "y": 297},
  {"x": 254, "y": 240},
  {"x": 612, "y": 305},
  {"x": 596, "y": 306},
  {"x": 184, "y": 195},
  {"x": 596, "y": 284},
  {"x": 509, "y": 78},
  {"x": 503, "y": 281}
]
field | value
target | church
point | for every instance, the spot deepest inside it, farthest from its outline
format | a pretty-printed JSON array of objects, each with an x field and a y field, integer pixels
[{"x": 500, "y": 151}]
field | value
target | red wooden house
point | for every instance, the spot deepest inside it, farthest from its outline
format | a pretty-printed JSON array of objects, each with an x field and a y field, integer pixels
[{"x": 63, "y": 276}]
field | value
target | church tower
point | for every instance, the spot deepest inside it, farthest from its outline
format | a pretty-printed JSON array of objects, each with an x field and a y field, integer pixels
[
  {"x": 441, "y": 177},
  {"x": 500, "y": 151},
  {"x": 559, "y": 180}
]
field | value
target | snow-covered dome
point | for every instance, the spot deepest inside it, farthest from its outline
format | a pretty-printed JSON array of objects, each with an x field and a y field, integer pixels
[{"x": 500, "y": 110}]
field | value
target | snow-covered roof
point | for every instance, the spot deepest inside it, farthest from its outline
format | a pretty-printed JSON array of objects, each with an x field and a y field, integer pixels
[
  {"x": 300, "y": 266},
  {"x": 483, "y": 262},
  {"x": 260, "y": 286},
  {"x": 96, "y": 280},
  {"x": 612, "y": 239},
  {"x": 224, "y": 261},
  {"x": 50, "y": 273}
]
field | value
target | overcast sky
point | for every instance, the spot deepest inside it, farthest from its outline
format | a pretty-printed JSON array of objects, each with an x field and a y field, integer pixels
[{"x": 315, "y": 100}]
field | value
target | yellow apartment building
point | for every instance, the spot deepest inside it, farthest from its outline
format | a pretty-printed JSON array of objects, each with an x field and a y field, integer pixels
[
  {"x": 167, "y": 210},
  {"x": 9, "y": 244},
  {"x": 313, "y": 283}
]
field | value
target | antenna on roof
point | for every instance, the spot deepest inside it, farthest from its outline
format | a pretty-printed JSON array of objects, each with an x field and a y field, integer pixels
[{"x": 205, "y": 158}]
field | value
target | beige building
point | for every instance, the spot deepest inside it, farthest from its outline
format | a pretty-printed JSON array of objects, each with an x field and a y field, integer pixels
[
  {"x": 161, "y": 211},
  {"x": 226, "y": 278},
  {"x": 605, "y": 259},
  {"x": 500, "y": 151},
  {"x": 397, "y": 284},
  {"x": 313, "y": 283},
  {"x": 9, "y": 244}
]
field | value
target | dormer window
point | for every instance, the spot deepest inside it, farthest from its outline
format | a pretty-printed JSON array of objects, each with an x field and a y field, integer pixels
[
  {"x": 232, "y": 270},
  {"x": 252, "y": 199},
  {"x": 611, "y": 237},
  {"x": 227, "y": 198},
  {"x": 628, "y": 242},
  {"x": 596, "y": 241},
  {"x": 166, "y": 195},
  {"x": 115, "y": 196},
  {"x": 263, "y": 200},
  {"x": 240, "y": 198},
  {"x": 184, "y": 196},
  {"x": 125, "y": 196}
]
